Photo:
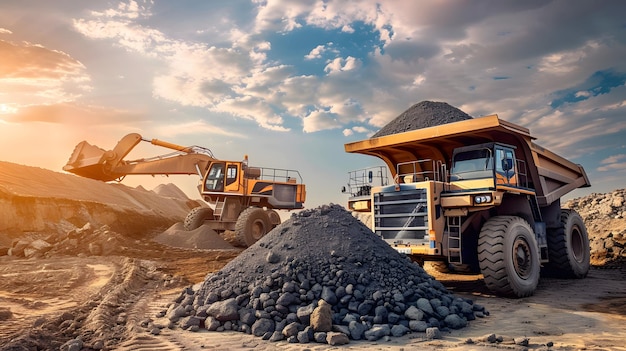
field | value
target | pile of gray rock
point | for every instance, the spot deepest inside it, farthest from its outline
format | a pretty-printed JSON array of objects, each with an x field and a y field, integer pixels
[
  {"x": 321, "y": 276},
  {"x": 423, "y": 115},
  {"x": 605, "y": 218}
]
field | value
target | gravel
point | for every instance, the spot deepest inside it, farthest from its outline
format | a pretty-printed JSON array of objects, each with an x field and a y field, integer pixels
[
  {"x": 320, "y": 271},
  {"x": 423, "y": 115}
]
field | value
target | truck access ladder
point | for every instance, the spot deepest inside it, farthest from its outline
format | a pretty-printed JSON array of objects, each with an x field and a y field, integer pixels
[{"x": 453, "y": 225}]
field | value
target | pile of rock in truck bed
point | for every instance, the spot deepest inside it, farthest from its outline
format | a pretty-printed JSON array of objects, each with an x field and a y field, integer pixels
[{"x": 321, "y": 276}]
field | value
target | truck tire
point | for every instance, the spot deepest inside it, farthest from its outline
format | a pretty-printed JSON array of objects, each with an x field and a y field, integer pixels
[
  {"x": 196, "y": 217},
  {"x": 274, "y": 217},
  {"x": 568, "y": 248},
  {"x": 508, "y": 256},
  {"x": 253, "y": 223},
  {"x": 438, "y": 266}
]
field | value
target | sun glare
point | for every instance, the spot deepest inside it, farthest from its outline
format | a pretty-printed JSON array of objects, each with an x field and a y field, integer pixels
[{"x": 6, "y": 109}]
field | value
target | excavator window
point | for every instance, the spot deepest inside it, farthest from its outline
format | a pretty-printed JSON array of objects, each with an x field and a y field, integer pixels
[
  {"x": 231, "y": 174},
  {"x": 215, "y": 178}
]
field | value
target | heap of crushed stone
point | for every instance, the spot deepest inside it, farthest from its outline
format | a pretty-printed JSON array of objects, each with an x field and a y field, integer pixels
[
  {"x": 423, "y": 115},
  {"x": 317, "y": 258}
]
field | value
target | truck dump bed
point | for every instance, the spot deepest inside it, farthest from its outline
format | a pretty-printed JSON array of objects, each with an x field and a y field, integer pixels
[{"x": 549, "y": 174}]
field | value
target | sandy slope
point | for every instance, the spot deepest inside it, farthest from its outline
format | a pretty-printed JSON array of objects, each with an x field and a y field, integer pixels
[{"x": 38, "y": 200}]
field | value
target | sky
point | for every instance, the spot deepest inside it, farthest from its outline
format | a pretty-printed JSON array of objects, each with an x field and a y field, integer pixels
[{"x": 288, "y": 83}]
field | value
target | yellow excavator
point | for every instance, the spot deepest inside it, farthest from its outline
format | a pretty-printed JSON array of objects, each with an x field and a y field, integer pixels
[{"x": 241, "y": 198}]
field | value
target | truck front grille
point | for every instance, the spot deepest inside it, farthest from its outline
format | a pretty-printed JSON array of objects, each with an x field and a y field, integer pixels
[{"x": 401, "y": 216}]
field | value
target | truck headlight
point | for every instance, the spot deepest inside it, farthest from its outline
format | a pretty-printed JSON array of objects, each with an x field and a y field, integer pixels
[{"x": 482, "y": 199}]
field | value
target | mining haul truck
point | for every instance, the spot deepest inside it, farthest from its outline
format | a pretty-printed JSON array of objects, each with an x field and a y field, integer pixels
[
  {"x": 476, "y": 195},
  {"x": 240, "y": 198}
]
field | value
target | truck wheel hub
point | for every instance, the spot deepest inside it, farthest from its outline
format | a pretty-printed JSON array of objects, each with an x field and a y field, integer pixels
[{"x": 522, "y": 258}]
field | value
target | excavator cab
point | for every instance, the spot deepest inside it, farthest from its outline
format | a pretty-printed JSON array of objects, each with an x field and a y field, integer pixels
[{"x": 223, "y": 177}]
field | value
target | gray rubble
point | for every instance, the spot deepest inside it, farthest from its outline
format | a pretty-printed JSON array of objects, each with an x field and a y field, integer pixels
[{"x": 318, "y": 273}]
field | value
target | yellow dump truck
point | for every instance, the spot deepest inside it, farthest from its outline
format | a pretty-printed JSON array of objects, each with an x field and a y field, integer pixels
[{"x": 476, "y": 195}]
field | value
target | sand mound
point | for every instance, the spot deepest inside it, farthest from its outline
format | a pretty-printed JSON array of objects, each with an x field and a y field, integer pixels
[
  {"x": 39, "y": 200},
  {"x": 202, "y": 238},
  {"x": 321, "y": 259},
  {"x": 170, "y": 190},
  {"x": 423, "y": 115}
]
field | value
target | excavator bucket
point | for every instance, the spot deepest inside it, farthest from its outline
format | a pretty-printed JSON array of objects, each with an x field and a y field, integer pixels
[
  {"x": 89, "y": 161},
  {"x": 93, "y": 162}
]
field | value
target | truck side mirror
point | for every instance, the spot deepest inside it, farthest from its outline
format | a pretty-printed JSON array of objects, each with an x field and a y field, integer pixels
[
  {"x": 507, "y": 164},
  {"x": 370, "y": 176}
]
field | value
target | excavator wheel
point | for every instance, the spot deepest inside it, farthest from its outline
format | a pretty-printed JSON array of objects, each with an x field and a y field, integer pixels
[
  {"x": 197, "y": 217},
  {"x": 274, "y": 217},
  {"x": 568, "y": 248},
  {"x": 508, "y": 256},
  {"x": 253, "y": 223}
]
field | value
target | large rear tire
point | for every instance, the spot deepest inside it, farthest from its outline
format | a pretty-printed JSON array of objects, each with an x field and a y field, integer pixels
[
  {"x": 568, "y": 248},
  {"x": 253, "y": 223},
  {"x": 508, "y": 256},
  {"x": 274, "y": 218},
  {"x": 197, "y": 216},
  {"x": 437, "y": 266}
]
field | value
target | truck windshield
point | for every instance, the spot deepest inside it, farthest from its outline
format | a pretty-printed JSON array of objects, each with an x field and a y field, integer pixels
[{"x": 472, "y": 164}]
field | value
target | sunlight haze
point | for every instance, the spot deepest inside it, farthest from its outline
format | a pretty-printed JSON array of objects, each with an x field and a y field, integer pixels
[{"x": 288, "y": 83}]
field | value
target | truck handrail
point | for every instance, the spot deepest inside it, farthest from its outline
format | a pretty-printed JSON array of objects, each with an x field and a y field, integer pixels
[
  {"x": 359, "y": 182},
  {"x": 419, "y": 171}
]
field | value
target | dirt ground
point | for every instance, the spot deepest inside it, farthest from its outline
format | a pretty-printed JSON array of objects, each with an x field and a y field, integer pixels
[
  {"x": 113, "y": 302},
  {"x": 104, "y": 290}
]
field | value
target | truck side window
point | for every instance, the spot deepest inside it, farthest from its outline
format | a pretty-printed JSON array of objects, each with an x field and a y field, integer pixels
[{"x": 505, "y": 166}]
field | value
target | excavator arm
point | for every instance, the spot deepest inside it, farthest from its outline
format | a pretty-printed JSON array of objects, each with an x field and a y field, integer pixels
[{"x": 93, "y": 162}]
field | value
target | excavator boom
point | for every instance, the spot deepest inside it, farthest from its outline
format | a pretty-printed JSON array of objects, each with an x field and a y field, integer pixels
[{"x": 93, "y": 162}]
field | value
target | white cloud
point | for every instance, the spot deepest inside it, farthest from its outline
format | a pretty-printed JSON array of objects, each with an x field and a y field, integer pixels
[
  {"x": 33, "y": 74},
  {"x": 320, "y": 120},
  {"x": 315, "y": 53},
  {"x": 612, "y": 163},
  {"x": 347, "y": 29},
  {"x": 507, "y": 60},
  {"x": 198, "y": 127},
  {"x": 360, "y": 129},
  {"x": 614, "y": 159},
  {"x": 253, "y": 109},
  {"x": 357, "y": 129},
  {"x": 342, "y": 65}
]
